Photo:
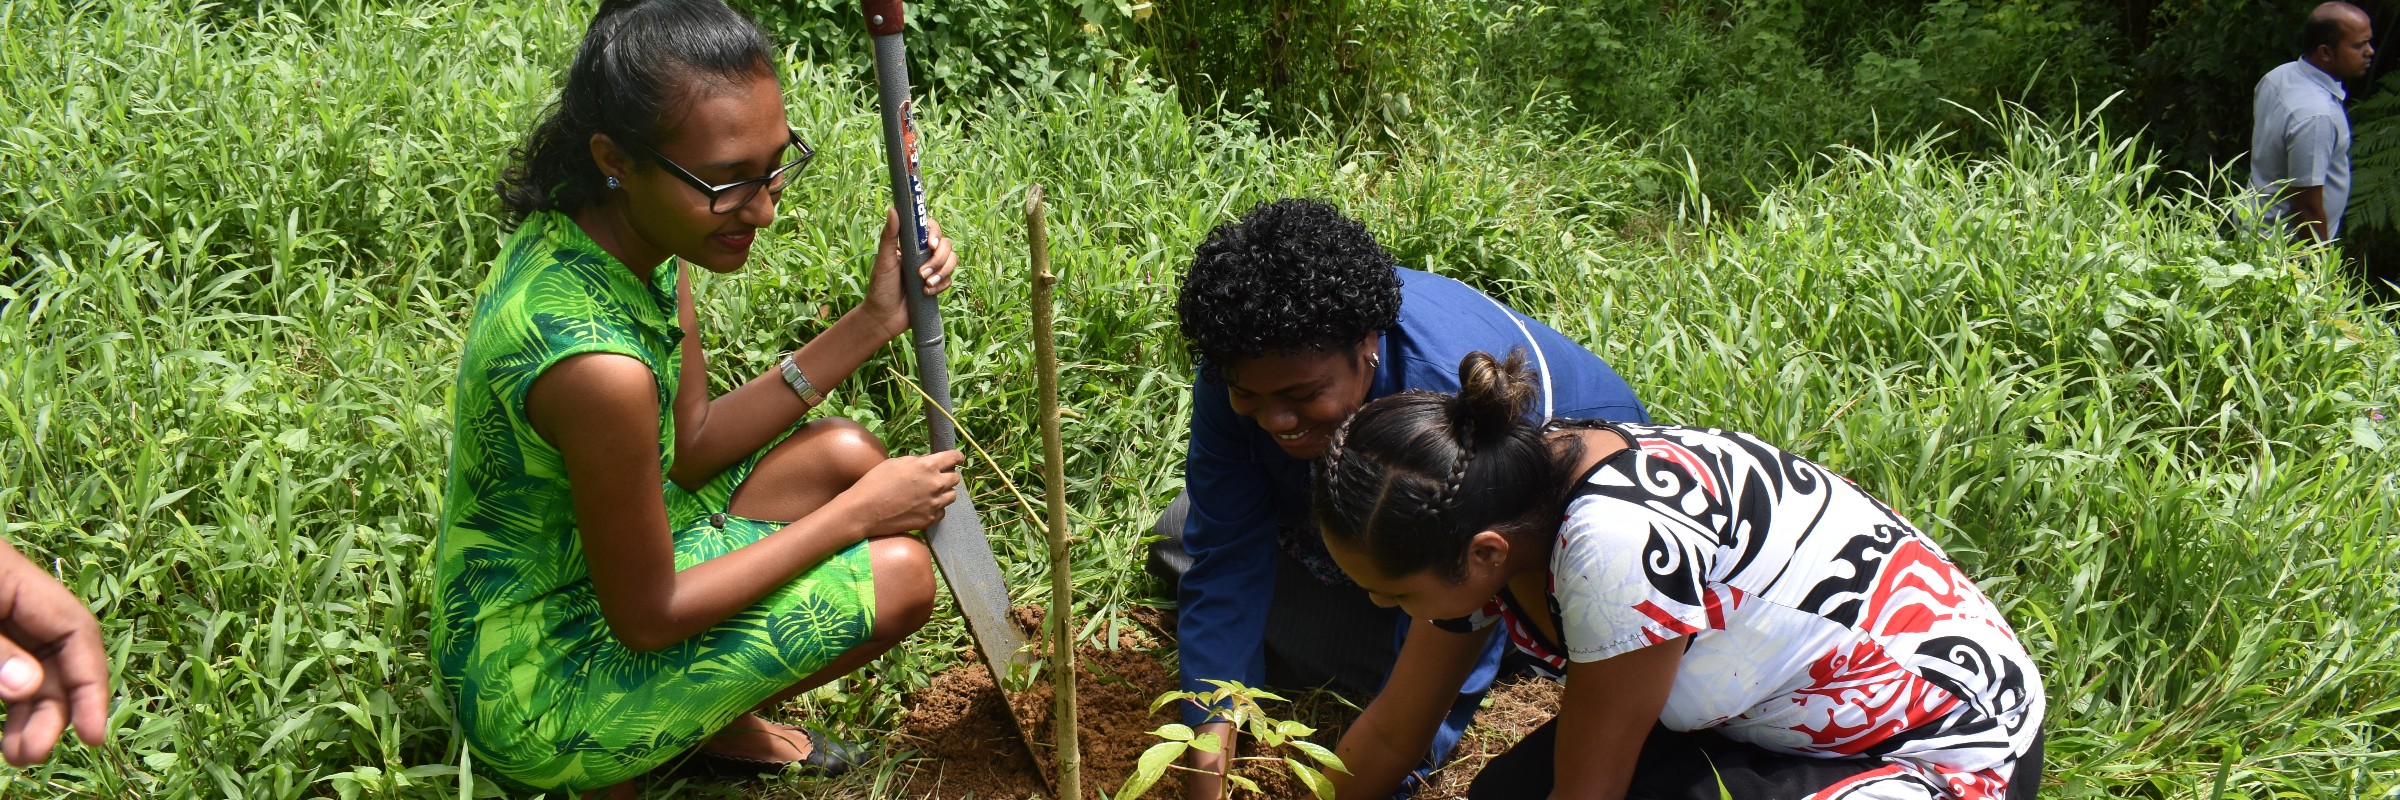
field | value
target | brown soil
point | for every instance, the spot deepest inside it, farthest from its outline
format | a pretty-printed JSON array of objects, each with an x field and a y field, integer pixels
[
  {"x": 969, "y": 746},
  {"x": 1515, "y": 707}
]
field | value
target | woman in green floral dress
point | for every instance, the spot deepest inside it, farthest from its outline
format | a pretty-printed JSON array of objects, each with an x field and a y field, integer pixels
[{"x": 630, "y": 569}]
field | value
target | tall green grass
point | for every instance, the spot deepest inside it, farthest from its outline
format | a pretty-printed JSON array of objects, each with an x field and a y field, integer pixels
[
  {"x": 2161, "y": 450},
  {"x": 240, "y": 250}
]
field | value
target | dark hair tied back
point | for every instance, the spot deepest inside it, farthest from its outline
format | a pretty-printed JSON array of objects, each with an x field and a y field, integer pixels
[
  {"x": 1491, "y": 393},
  {"x": 639, "y": 64},
  {"x": 1412, "y": 477}
]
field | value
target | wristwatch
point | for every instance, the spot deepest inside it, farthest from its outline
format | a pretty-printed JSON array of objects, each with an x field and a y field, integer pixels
[{"x": 791, "y": 374}]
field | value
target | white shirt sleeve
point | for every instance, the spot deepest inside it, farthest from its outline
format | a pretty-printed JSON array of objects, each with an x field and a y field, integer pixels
[{"x": 1627, "y": 577}]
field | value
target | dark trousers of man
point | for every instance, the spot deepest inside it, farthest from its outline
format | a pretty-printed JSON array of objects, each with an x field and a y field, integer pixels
[
  {"x": 1316, "y": 634},
  {"x": 1676, "y": 765}
]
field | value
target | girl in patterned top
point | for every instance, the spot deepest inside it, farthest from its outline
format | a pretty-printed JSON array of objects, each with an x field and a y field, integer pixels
[
  {"x": 1726, "y": 615},
  {"x": 629, "y": 569}
]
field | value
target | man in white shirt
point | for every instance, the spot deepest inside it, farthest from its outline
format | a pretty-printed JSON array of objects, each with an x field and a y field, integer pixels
[{"x": 2299, "y": 133}]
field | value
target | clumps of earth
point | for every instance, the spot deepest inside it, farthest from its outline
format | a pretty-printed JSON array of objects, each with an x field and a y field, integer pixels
[{"x": 961, "y": 727}]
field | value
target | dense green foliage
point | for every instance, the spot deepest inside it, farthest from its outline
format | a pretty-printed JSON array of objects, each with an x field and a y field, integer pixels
[
  {"x": 240, "y": 249},
  {"x": 1754, "y": 88},
  {"x": 968, "y": 48},
  {"x": 1751, "y": 90}
]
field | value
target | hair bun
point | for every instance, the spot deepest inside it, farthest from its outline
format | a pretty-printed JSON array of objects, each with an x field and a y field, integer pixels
[{"x": 1491, "y": 394}]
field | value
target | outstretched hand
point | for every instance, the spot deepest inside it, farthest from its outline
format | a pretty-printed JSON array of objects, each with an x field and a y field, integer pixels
[
  {"x": 883, "y": 300},
  {"x": 52, "y": 667}
]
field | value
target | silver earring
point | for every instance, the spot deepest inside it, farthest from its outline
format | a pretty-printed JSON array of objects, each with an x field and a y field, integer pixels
[
  {"x": 1374, "y": 361},
  {"x": 613, "y": 184}
]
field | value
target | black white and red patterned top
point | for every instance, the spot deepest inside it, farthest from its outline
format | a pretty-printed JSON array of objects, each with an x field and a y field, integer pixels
[{"x": 1821, "y": 622}]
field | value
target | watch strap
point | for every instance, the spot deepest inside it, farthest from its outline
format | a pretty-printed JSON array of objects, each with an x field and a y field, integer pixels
[{"x": 800, "y": 386}]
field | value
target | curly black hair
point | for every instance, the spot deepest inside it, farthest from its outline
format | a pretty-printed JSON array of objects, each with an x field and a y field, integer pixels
[{"x": 1291, "y": 276}]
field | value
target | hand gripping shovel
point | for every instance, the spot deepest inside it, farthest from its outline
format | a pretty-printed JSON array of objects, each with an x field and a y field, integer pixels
[{"x": 959, "y": 546}]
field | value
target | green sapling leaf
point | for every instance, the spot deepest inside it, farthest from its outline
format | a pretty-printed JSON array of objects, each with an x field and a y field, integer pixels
[
  {"x": 1174, "y": 731},
  {"x": 1322, "y": 755},
  {"x": 1150, "y": 767},
  {"x": 1316, "y": 782},
  {"x": 1266, "y": 730}
]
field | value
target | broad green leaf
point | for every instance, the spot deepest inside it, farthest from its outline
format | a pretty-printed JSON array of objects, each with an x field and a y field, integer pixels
[
  {"x": 1207, "y": 743},
  {"x": 1150, "y": 767},
  {"x": 2363, "y": 434},
  {"x": 1321, "y": 755},
  {"x": 1167, "y": 698},
  {"x": 1265, "y": 730},
  {"x": 1316, "y": 781},
  {"x": 1174, "y": 731}
]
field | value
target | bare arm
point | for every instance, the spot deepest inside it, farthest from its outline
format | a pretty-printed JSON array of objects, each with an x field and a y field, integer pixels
[
  {"x": 712, "y": 434},
  {"x": 2308, "y": 209},
  {"x": 1397, "y": 728},
  {"x": 1609, "y": 709},
  {"x": 601, "y": 411}
]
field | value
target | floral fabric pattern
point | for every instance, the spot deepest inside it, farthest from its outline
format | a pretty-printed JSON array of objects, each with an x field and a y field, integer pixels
[{"x": 547, "y": 697}]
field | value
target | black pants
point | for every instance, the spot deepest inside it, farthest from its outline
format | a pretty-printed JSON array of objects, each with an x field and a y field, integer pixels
[
  {"x": 1676, "y": 765},
  {"x": 1321, "y": 634}
]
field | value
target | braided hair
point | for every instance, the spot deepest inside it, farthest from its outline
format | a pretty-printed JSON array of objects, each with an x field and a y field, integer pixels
[{"x": 1412, "y": 477}]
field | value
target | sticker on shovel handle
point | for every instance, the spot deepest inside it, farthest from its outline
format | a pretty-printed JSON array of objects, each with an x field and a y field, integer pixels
[{"x": 916, "y": 185}]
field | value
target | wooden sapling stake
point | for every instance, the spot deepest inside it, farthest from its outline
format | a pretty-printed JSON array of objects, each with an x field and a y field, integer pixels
[{"x": 1054, "y": 479}]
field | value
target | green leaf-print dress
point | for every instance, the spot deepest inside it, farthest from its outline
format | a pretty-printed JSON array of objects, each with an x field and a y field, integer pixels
[{"x": 547, "y": 697}]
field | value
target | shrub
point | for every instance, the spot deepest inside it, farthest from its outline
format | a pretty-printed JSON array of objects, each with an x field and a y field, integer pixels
[{"x": 969, "y": 49}]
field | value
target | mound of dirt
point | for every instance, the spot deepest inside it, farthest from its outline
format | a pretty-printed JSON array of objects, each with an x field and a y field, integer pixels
[{"x": 962, "y": 727}]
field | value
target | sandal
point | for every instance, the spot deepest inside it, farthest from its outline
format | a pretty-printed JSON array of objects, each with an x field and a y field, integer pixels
[{"x": 826, "y": 758}]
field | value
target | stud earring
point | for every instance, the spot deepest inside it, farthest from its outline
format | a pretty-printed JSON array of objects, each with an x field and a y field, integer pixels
[{"x": 613, "y": 184}]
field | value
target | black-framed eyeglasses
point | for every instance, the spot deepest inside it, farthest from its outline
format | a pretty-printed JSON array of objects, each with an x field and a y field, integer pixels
[{"x": 728, "y": 197}]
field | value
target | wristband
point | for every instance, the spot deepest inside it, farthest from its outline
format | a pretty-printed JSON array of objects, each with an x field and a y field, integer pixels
[{"x": 800, "y": 386}]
